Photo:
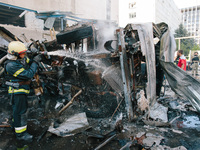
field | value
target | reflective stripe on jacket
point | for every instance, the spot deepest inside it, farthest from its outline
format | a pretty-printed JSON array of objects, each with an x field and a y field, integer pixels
[{"x": 13, "y": 90}]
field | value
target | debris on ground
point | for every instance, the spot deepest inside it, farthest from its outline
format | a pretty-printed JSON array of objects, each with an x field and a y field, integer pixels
[
  {"x": 85, "y": 88},
  {"x": 152, "y": 139},
  {"x": 70, "y": 126},
  {"x": 158, "y": 112},
  {"x": 163, "y": 147}
]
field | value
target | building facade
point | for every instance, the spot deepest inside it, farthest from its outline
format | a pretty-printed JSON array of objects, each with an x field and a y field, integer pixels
[
  {"x": 191, "y": 20},
  {"x": 96, "y": 9},
  {"x": 105, "y": 10},
  {"x": 133, "y": 11}
]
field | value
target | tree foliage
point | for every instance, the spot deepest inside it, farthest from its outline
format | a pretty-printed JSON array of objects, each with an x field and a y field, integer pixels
[
  {"x": 186, "y": 44},
  {"x": 196, "y": 47}
]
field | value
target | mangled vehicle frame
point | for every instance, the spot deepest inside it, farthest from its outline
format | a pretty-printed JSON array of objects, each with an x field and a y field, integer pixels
[
  {"x": 146, "y": 55},
  {"x": 128, "y": 75}
]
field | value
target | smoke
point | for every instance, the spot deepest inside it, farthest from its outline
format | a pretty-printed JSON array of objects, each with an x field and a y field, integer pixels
[{"x": 105, "y": 32}]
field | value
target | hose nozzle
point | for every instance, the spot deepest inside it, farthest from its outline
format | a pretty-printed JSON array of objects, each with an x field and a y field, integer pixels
[{"x": 44, "y": 53}]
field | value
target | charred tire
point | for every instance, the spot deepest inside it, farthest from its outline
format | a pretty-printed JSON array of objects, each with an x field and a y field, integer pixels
[{"x": 74, "y": 35}]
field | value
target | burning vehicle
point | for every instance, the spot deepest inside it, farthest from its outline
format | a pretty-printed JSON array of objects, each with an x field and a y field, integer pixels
[
  {"x": 126, "y": 75},
  {"x": 133, "y": 62}
]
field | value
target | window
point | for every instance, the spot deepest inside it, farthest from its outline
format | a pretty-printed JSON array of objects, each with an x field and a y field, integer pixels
[
  {"x": 132, "y": 15},
  {"x": 132, "y": 5}
]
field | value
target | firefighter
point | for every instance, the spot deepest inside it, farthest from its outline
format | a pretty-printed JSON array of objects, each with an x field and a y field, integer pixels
[{"x": 18, "y": 73}]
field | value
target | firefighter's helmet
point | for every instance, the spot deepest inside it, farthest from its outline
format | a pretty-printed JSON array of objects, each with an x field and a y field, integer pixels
[{"x": 16, "y": 48}]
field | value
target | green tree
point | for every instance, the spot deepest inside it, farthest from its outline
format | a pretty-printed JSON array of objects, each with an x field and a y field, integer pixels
[
  {"x": 186, "y": 44},
  {"x": 181, "y": 31},
  {"x": 196, "y": 47}
]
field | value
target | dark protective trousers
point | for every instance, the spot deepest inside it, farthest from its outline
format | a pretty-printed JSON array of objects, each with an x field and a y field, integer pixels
[{"x": 19, "y": 105}]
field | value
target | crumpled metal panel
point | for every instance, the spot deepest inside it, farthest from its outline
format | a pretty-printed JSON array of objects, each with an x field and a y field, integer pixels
[
  {"x": 182, "y": 83},
  {"x": 167, "y": 47},
  {"x": 125, "y": 74},
  {"x": 71, "y": 126},
  {"x": 179, "y": 80},
  {"x": 113, "y": 76},
  {"x": 145, "y": 32}
]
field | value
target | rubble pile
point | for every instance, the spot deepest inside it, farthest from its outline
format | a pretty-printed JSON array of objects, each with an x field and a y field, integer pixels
[{"x": 106, "y": 99}]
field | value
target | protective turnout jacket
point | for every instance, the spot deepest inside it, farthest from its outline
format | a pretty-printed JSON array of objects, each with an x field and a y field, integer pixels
[{"x": 18, "y": 71}]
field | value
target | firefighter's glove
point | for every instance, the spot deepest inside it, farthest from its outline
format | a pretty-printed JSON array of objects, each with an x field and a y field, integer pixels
[{"x": 37, "y": 58}]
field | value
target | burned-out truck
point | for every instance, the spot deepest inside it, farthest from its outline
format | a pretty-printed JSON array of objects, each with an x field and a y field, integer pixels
[{"x": 127, "y": 74}]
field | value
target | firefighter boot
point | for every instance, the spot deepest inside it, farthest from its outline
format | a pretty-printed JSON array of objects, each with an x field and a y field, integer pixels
[{"x": 24, "y": 136}]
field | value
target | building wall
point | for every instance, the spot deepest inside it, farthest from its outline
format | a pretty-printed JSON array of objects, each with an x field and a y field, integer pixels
[
  {"x": 136, "y": 11},
  {"x": 41, "y": 5},
  {"x": 191, "y": 20},
  {"x": 145, "y": 13},
  {"x": 168, "y": 12},
  {"x": 123, "y": 13},
  {"x": 150, "y": 11},
  {"x": 87, "y": 9},
  {"x": 95, "y": 9},
  {"x": 115, "y": 10}
]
